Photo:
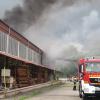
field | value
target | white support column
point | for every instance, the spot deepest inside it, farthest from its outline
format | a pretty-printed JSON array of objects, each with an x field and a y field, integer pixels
[
  {"x": 7, "y": 49},
  {"x": 32, "y": 54},
  {"x": 27, "y": 51},
  {"x": 18, "y": 49}
]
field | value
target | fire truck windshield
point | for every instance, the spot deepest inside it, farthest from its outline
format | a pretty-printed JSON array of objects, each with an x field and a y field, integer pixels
[{"x": 92, "y": 67}]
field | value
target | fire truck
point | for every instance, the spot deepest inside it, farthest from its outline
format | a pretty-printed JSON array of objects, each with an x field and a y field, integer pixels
[{"x": 89, "y": 77}]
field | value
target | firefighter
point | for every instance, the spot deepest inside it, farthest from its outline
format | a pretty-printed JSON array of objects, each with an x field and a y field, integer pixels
[{"x": 74, "y": 81}]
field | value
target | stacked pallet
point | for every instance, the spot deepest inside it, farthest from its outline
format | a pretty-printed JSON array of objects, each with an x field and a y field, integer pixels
[{"x": 22, "y": 76}]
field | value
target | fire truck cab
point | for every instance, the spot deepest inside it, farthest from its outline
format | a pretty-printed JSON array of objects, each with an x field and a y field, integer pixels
[{"x": 89, "y": 77}]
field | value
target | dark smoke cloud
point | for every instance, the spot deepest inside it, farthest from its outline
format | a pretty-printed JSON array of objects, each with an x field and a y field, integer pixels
[
  {"x": 69, "y": 2},
  {"x": 23, "y": 17}
]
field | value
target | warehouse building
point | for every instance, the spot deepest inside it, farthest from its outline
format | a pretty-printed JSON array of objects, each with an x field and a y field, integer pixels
[{"x": 21, "y": 62}]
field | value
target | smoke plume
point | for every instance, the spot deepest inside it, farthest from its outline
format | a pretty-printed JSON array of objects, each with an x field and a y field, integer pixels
[
  {"x": 62, "y": 28},
  {"x": 22, "y": 17}
]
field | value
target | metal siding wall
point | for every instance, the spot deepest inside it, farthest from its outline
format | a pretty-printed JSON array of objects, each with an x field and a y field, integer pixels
[
  {"x": 13, "y": 47},
  {"x": 29, "y": 54},
  {"x": 37, "y": 57},
  {"x": 34, "y": 56},
  {"x": 3, "y": 42},
  {"x": 22, "y": 50}
]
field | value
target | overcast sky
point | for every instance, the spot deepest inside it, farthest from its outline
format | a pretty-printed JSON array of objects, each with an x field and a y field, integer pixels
[{"x": 7, "y": 5}]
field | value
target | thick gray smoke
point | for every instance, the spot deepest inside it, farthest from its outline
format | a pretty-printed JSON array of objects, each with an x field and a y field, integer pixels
[
  {"x": 22, "y": 17},
  {"x": 67, "y": 29},
  {"x": 33, "y": 13},
  {"x": 69, "y": 32}
]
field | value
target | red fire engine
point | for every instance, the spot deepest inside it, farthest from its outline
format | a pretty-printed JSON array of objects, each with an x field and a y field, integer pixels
[{"x": 89, "y": 77}]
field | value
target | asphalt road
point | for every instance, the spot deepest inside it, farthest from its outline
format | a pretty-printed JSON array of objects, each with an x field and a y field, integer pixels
[{"x": 61, "y": 93}]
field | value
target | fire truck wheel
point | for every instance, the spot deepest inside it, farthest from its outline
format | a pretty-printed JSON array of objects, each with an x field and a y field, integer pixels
[{"x": 85, "y": 97}]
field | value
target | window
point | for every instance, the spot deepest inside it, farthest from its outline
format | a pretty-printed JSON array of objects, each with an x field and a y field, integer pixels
[{"x": 93, "y": 67}]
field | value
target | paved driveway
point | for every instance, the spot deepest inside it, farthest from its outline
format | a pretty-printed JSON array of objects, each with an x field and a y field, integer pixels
[{"x": 62, "y": 93}]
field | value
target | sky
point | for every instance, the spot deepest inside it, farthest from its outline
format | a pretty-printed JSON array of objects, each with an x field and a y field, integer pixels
[
  {"x": 67, "y": 29},
  {"x": 7, "y": 5}
]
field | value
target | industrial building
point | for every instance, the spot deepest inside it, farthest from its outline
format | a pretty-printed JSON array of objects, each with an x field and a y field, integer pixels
[{"x": 21, "y": 62}]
